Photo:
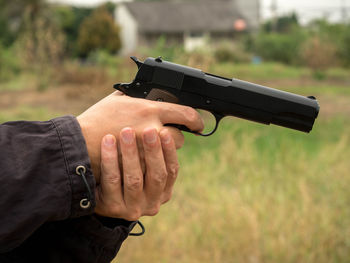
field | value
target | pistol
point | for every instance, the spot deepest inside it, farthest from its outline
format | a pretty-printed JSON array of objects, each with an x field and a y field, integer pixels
[{"x": 161, "y": 80}]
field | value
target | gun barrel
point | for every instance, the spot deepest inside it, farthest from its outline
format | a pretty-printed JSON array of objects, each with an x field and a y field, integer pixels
[{"x": 265, "y": 105}]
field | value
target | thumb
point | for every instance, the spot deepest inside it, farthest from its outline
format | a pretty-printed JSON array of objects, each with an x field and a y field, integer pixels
[{"x": 110, "y": 181}]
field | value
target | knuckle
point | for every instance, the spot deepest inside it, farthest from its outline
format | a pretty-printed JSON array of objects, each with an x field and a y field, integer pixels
[
  {"x": 160, "y": 177},
  {"x": 174, "y": 170},
  {"x": 133, "y": 182},
  {"x": 114, "y": 179}
]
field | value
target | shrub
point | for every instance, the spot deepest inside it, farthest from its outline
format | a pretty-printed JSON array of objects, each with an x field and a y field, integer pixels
[
  {"x": 337, "y": 35},
  {"x": 103, "y": 58},
  {"x": 41, "y": 42},
  {"x": 70, "y": 19},
  {"x": 201, "y": 59},
  {"x": 345, "y": 47},
  {"x": 98, "y": 31},
  {"x": 162, "y": 47},
  {"x": 319, "y": 54},
  {"x": 74, "y": 73},
  {"x": 282, "y": 24},
  {"x": 228, "y": 52},
  {"x": 283, "y": 48}
]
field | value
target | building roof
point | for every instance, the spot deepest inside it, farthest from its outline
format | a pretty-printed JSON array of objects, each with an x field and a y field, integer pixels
[{"x": 166, "y": 16}]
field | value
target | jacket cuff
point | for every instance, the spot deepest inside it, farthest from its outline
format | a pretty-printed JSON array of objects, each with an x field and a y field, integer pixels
[
  {"x": 75, "y": 154},
  {"x": 107, "y": 238}
]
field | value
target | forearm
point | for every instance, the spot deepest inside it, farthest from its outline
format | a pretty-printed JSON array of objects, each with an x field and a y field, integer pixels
[{"x": 38, "y": 180}]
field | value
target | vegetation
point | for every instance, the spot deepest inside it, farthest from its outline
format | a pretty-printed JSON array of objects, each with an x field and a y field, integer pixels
[
  {"x": 280, "y": 47},
  {"x": 261, "y": 194},
  {"x": 320, "y": 45},
  {"x": 319, "y": 55},
  {"x": 98, "y": 31}
]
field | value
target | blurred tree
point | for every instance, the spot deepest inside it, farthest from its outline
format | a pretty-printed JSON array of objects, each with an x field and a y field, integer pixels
[
  {"x": 110, "y": 7},
  {"x": 283, "y": 48},
  {"x": 336, "y": 33},
  {"x": 41, "y": 40},
  {"x": 283, "y": 24},
  {"x": 345, "y": 49},
  {"x": 10, "y": 20},
  {"x": 30, "y": 23},
  {"x": 319, "y": 54},
  {"x": 98, "y": 31},
  {"x": 70, "y": 18}
]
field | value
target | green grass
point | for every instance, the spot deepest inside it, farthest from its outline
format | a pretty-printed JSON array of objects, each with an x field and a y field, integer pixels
[
  {"x": 254, "y": 193},
  {"x": 21, "y": 82},
  {"x": 338, "y": 73}
]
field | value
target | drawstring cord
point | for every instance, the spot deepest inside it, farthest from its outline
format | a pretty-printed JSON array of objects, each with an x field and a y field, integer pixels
[
  {"x": 86, "y": 202},
  {"x": 139, "y": 233}
]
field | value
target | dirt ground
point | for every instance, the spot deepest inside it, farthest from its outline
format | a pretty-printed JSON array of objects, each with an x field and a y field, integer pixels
[{"x": 64, "y": 99}]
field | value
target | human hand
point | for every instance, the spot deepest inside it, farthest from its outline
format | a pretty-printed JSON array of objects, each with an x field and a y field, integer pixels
[
  {"x": 126, "y": 193},
  {"x": 116, "y": 111}
]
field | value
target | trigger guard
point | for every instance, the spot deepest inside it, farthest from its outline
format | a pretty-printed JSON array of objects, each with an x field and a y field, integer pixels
[{"x": 218, "y": 118}]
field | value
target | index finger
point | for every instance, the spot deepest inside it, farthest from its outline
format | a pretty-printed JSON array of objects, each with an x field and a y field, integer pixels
[{"x": 179, "y": 114}]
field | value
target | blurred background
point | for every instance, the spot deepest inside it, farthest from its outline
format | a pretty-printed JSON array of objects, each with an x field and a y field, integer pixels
[{"x": 249, "y": 193}]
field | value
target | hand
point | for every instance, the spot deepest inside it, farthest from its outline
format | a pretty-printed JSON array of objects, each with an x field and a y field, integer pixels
[
  {"x": 116, "y": 111},
  {"x": 128, "y": 194}
]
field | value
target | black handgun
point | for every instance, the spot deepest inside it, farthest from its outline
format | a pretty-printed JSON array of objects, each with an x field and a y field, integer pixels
[{"x": 160, "y": 80}]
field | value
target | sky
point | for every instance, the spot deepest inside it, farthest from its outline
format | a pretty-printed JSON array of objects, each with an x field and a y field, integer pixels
[{"x": 306, "y": 9}]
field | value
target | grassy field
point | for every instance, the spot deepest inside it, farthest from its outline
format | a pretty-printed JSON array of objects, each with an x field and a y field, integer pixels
[
  {"x": 249, "y": 193},
  {"x": 255, "y": 194}
]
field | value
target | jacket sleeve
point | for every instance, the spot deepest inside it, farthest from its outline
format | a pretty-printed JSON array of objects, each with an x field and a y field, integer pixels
[{"x": 39, "y": 184}]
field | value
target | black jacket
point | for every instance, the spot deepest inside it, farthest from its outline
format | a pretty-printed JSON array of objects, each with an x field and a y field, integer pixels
[{"x": 41, "y": 217}]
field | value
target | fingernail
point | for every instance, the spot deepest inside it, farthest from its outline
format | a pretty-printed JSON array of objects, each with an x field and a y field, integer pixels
[
  {"x": 109, "y": 140},
  {"x": 127, "y": 135},
  {"x": 150, "y": 135},
  {"x": 165, "y": 136}
]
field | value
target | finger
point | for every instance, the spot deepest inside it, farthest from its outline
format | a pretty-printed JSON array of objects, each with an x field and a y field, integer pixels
[
  {"x": 178, "y": 114},
  {"x": 155, "y": 179},
  {"x": 171, "y": 161},
  {"x": 132, "y": 174},
  {"x": 110, "y": 181},
  {"x": 177, "y": 136}
]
